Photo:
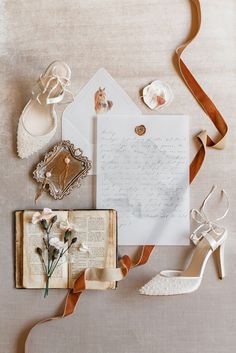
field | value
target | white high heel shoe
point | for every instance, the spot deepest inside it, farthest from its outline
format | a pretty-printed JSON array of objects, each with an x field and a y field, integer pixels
[
  {"x": 209, "y": 238},
  {"x": 38, "y": 121}
]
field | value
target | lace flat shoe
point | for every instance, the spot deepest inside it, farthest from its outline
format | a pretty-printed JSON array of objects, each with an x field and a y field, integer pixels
[{"x": 38, "y": 121}]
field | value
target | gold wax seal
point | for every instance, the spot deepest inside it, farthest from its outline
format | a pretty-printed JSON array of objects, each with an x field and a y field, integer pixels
[{"x": 140, "y": 130}]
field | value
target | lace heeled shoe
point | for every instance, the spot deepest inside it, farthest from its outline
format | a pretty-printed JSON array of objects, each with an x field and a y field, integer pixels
[
  {"x": 38, "y": 121},
  {"x": 209, "y": 237}
]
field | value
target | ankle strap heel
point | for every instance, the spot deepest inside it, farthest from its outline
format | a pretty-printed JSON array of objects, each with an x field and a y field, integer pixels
[{"x": 209, "y": 238}]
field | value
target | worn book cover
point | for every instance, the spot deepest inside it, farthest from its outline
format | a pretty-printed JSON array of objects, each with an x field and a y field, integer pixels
[{"x": 98, "y": 228}]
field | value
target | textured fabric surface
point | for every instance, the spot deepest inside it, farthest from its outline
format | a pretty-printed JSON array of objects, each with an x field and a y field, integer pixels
[{"x": 135, "y": 41}]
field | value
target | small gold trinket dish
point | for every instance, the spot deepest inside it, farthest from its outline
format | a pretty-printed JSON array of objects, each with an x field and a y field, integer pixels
[{"x": 157, "y": 95}]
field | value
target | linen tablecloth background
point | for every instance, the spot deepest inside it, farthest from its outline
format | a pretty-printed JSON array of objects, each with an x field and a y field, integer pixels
[{"x": 135, "y": 41}]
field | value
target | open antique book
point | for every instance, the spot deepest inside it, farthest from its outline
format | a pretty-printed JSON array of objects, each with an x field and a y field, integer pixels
[{"x": 97, "y": 228}]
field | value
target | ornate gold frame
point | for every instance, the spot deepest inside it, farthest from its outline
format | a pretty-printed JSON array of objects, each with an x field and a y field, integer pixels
[{"x": 49, "y": 171}]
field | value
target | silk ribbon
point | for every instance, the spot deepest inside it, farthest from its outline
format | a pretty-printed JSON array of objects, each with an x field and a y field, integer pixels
[{"x": 205, "y": 102}]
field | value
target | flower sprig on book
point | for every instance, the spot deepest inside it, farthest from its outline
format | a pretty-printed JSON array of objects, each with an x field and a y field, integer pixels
[{"x": 53, "y": 251}]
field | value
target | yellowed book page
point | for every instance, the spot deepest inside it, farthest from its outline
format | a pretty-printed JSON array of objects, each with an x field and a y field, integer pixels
[
  {"x": 97, "y": 230},
  {"x": 111, "y": 248},
  {"x": 33, "y": 270},
  {"x": 18, "y": 252}
]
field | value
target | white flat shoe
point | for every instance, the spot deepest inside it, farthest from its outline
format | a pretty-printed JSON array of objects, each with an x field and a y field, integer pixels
[
  {"x": 38, "y": 121},
  {"x": 209, "y": 238}
]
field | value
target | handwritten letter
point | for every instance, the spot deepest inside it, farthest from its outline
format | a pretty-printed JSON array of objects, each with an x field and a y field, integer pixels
[{"x": 145, "y": 178}]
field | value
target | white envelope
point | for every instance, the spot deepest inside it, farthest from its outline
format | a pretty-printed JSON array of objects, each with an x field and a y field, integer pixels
[{"x": 79, "y": 117}]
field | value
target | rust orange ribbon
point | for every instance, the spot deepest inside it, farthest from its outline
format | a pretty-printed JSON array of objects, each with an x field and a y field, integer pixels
[
  {"x": 205, "y": 102},
  {"x": 126, "y": 263}
]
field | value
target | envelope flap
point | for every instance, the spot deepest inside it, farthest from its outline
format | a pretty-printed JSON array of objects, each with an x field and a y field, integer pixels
[{"x": 79, "y": 117}]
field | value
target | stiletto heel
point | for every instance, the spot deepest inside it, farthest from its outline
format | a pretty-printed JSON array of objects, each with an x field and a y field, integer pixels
[
  {"x": 220, "y": 258},
  {"x": 209, "y": 237}
]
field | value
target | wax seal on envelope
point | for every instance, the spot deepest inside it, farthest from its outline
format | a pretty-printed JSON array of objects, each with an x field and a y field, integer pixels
[
  {"x": 140, "y": 130},
  {"x": 157, "y": 95}
]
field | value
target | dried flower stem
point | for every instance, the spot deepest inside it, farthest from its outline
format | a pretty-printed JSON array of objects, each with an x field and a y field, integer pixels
[
  {"x": 54, "y": 254},
  {"x": 45, "y": 243},
  {"x": 46, "y": 288},
  {"x": 44, "y": 265},
  {"x": 60, "y": 256},
  {"x": 48, "y": 266},
  {"x": 51, "y": 266}
]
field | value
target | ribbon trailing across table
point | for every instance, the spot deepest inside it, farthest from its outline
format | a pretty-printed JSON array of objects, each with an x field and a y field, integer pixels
[
  {"x": 82, "y": 283},
  {"x": 126, "y": 263},
  {"x": 206, "y": 103}
]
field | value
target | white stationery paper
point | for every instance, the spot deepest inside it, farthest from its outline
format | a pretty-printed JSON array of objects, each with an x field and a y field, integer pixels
[
  {"x": 145, "y": 178},
  {"x": 79, "y": 117}
]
